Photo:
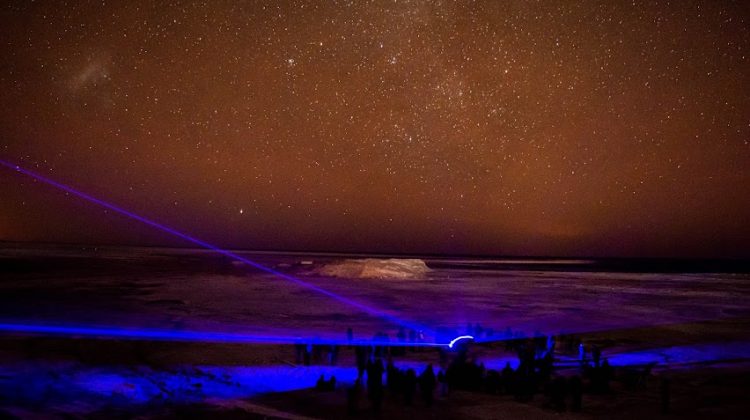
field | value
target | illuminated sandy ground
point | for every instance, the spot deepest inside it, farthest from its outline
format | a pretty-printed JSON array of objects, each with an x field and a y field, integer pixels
[{"x": 684, "y": 322}]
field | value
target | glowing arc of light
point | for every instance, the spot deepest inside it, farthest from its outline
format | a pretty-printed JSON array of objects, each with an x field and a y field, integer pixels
[{"x": 459, "y": 338}]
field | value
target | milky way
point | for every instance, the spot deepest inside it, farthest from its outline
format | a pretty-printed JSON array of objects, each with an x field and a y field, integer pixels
[{"x": 513, "y": 128}]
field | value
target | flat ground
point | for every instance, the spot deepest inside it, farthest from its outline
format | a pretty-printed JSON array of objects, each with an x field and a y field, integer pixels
[{"x": 694, "y": 326}]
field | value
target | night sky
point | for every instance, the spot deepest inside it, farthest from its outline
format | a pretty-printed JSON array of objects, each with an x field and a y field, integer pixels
[{"x": 498, "y": 128}]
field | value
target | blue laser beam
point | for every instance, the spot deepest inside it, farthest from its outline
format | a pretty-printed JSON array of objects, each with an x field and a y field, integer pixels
[
  {"x": 368, "y": 309},
  {"x": 105, "y": 332}
]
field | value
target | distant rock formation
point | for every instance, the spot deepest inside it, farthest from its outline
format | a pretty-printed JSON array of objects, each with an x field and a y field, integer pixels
[{"x": 373, "y": 268}]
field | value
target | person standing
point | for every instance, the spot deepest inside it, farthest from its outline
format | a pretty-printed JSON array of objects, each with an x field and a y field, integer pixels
[
  {"x": 664, "y": 392},
  {"x": 427, "y": 385}
]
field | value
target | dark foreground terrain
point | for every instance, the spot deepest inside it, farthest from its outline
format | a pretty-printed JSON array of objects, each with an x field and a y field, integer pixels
[{"x": 692, "y": 328}]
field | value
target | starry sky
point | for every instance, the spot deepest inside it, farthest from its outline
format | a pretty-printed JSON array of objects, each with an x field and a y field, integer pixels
[{"x": 549, "y": 128}]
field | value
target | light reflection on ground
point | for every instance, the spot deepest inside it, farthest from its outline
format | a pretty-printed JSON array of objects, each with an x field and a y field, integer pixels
[{"x": 25, "y": 384}]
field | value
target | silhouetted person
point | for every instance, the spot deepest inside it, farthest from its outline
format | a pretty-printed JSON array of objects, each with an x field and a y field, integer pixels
[
  {"x": 443, "y": 356},
  {"x": 558, "y": 389},
  {"x": 596, "y": 355},
  {"x": 546, "y": 366},
  {"x": 506, "y": 379},
  {"x": 333, "y": 355},
  {"x": 443, "y": 382},
  {"x": 386, "y": 349},
  {"x": 317, "y": 353},
  {"x": 607, "y": 373},
  {"x": 308, "y": 353},
  {"x": 600, "y": 377},
  {"x": 576, "y": 393},
  {"x": 299, "y": 351},
  {"x": 492, "y": 382},
  {"x": 664, "y": 392},
  {"x": 540, "y": 342},
  {"x": 410, "y": 386},
  {"x": 323, "y": 385},
  {"x": 320, "y": 384},
  {"x": 478, "y": 376},
  {"x": 353, "y": 395},
  {"x": 644, "y": 375},
  {"x": 377, "y": 349},
  {"x": 478, "y": 331},
  {"x": 349, "y": 335},
  {"x": 427, "y": 385},
  {"x": 360, "y": 353},
  {"x": 375, "y": 383},
  {"x": 551, "y": 344},
  {"x": 332, "y": 383},
  {"x": 392, "y": 377},
  {"x": 581, "y": 352}
]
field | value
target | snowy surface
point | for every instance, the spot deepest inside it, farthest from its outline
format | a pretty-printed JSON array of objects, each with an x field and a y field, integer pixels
[{"x": 374, "y": 268}]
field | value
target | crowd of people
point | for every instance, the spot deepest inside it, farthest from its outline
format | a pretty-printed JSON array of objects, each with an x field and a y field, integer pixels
[
  {"x": 458, "y": 370},
  {"x": 307, "y": 353},
  {"x": 402, "y": 386}
]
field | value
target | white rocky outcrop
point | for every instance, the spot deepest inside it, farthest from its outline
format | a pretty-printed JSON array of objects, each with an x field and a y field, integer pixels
[{"x": 374, "y": 268}]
